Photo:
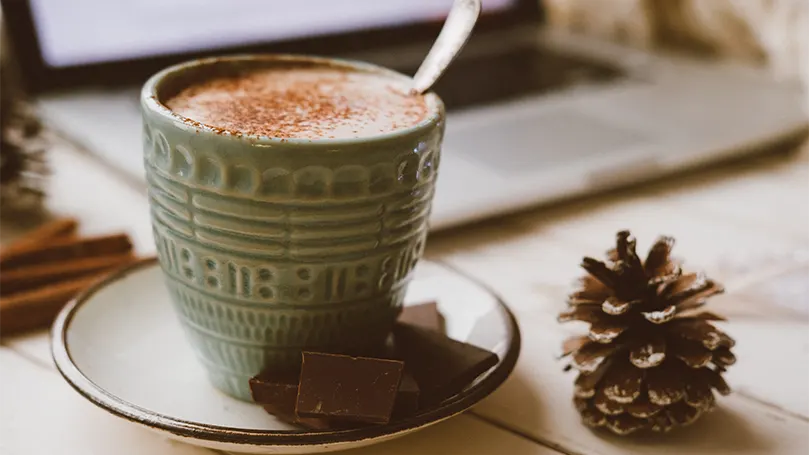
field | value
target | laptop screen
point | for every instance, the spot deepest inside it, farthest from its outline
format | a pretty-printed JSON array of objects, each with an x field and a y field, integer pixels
[{"x": 80, "y": 32}]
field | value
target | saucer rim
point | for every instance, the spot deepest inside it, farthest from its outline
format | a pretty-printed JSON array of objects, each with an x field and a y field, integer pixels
[{"x": 119, "y": 407}]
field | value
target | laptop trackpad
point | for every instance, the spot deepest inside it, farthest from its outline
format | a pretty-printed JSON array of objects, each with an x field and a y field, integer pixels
[{"x": 532, "y": 141}]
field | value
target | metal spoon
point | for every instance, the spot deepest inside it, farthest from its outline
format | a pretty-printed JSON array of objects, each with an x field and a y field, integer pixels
[{"x": 452, "y": 38}]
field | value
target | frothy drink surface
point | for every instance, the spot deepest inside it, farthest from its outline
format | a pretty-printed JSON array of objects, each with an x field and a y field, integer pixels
[{"x": 312, "y": 103}]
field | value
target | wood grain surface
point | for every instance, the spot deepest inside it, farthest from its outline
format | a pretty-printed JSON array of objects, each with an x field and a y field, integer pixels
[{"x": 745, "y": 224}]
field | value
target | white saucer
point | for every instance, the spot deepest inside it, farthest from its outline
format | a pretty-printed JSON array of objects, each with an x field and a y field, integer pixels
[{"x": 121, "y": 347}]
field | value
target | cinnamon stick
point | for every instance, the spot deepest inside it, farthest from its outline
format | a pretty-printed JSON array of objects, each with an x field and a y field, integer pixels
[
  {"x": 58, "y": 228},
  {"x": 66, "y": 249},
  {"x": 37, "y": 309},
  {"x": 31, "y": 276}
]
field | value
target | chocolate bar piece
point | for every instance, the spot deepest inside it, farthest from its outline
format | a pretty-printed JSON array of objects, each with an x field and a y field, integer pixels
[
  {"x": 344, "y": 388},
  {"x": 276, "y": 388},
  {"x": 407, "y": 399},
  {"x": 441, "y": 366},
  {"x": 424, "y": 315},
  {"x": 277, "y": 393}
]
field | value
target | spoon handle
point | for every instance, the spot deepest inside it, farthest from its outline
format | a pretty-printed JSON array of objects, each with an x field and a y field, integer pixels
[{"x": 452, "y": 38}]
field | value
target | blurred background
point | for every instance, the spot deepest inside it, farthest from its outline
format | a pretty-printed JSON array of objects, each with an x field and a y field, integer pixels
[
  {"x": 766, "y": 32},
  {"x": 86, "y": 32},
  {"x": 736, "y": 66}
]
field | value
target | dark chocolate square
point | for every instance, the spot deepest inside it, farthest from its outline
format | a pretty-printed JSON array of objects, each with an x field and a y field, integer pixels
[
  {"x": 441, "y": 366},
  {"x": 339, "y": 387},
  {"x": 277, "y": 389},
  {"x": 407, "y": 400},
  {"x": 277, "y": 393}
]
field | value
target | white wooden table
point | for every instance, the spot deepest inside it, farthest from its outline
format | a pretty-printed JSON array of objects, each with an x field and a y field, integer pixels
[{"x": 746, "y": 225}]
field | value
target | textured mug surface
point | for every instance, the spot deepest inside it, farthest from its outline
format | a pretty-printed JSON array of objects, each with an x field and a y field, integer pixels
[{"x": 270, "y": 246}]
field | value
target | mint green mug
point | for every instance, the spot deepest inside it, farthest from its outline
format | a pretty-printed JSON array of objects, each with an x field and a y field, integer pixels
[{"x": 270, "y": 246}]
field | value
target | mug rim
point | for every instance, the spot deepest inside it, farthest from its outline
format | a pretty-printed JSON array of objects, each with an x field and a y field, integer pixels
[{"x": 150, "y": 101}]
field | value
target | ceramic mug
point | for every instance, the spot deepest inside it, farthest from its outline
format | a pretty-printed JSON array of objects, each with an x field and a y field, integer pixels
[{"x": 269, "y": 246}]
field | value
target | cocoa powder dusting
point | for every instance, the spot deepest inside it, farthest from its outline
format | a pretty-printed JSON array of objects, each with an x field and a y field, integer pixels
[{"x": 300, "y": 103}]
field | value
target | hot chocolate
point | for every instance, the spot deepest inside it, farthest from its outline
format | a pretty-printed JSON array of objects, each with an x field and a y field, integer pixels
[{"x": 302, "y": 102}]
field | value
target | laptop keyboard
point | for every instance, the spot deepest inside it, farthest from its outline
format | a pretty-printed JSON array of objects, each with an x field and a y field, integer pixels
[
  {"x": 526, "y": 69},
  {"x": 541, "y": 140}
]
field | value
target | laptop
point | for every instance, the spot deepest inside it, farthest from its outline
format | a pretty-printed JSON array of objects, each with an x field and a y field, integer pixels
[{"x": 534, "y": 115}]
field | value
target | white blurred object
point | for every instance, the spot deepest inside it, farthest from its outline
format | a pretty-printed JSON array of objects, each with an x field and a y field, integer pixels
[
  {"x": 725, "y": 26},
  {"x": 802, "y": 32},
  {"x": 780, "y": 29},
  {"x": 626, "y": 21},
  {"x": 777, "y": 30},
  {"x": 559, "y": 12},
  {"x": 631, "y": 22}
]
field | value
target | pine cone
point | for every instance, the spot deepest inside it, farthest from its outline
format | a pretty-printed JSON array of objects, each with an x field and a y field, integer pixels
[{"x": 651, "y": 359}]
